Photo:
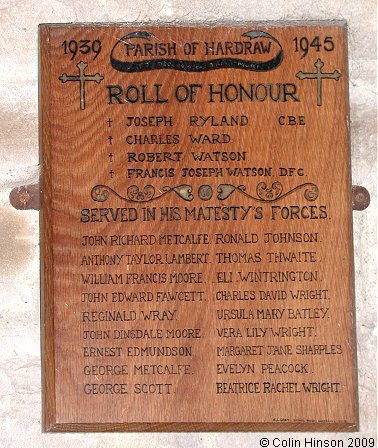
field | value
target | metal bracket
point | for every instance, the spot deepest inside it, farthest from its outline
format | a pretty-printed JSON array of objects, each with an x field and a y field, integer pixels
[
  {"x": 27, "y": 197},
  {"x": 360, "y": 198}
]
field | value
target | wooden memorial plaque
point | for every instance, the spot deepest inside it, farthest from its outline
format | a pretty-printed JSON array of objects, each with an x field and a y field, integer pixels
[{"x": 196, "y": 228}]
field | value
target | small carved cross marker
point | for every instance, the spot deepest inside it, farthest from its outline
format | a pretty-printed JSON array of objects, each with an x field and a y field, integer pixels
[
  {"x": 319, "y": 76},
  {"x": 82, "y": 78}
]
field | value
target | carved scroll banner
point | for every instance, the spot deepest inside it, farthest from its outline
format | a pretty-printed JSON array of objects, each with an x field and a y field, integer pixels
[{"x": 197, "y": 266}]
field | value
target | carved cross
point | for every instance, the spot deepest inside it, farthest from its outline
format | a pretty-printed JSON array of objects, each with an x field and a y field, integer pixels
[
  {"x": 319, "y": 76},
  {"x": 82, "y": 78}
]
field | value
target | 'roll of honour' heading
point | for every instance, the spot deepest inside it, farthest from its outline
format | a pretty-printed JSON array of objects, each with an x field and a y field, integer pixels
[{"x": 211, "y": 93}]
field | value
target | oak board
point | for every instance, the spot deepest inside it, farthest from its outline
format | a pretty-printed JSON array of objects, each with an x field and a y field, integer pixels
[{"x": 196, "y": 229}]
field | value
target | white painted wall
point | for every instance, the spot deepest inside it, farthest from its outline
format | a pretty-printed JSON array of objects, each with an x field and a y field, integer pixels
[{"x": 20, "y": 391}]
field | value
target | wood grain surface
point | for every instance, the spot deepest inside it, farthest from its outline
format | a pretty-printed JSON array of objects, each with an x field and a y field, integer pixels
[{"x": 197, "y": 264}]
